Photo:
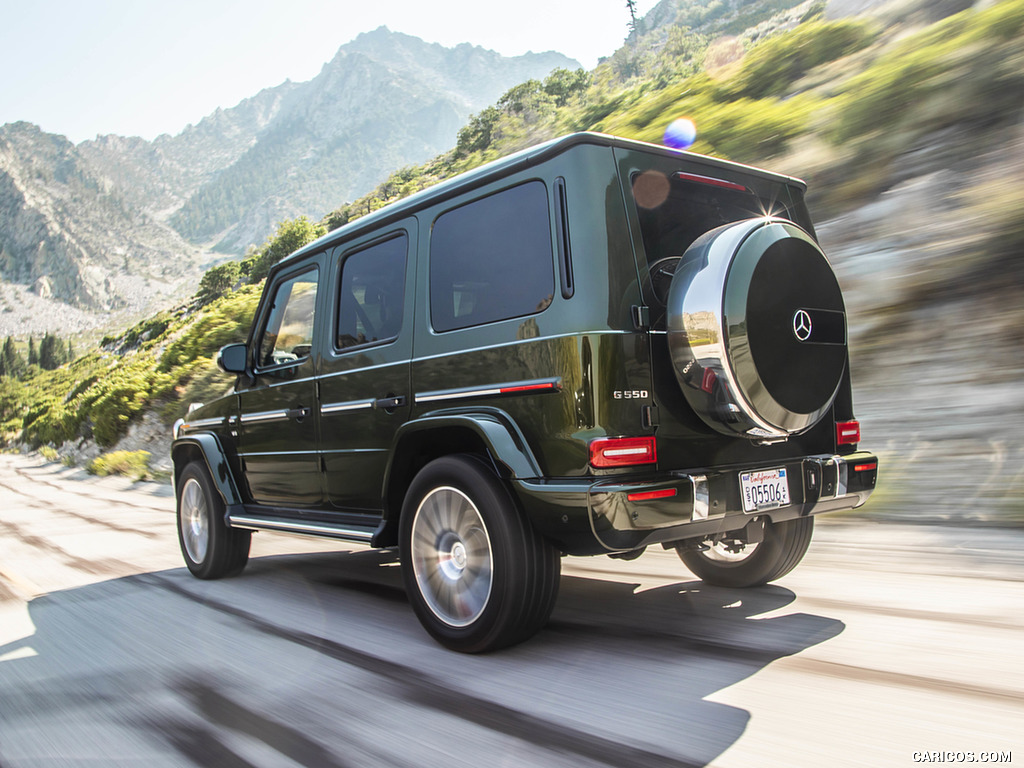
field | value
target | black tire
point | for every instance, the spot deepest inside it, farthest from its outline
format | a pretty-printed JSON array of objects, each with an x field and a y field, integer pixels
[
  {"x": 211, "y": 549},
  {"x": 781, "y": 551},
  {"x": 478, "y": 576}
]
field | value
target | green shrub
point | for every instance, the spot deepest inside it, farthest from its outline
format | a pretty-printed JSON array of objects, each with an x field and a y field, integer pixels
[
  {"x": 134, "y": 464},
  {"x": 775, "y": 64},
  {"x": 48, "y": 452},
  {"x": 225, "y": 321},
  {"x": 968, "y": 63}
]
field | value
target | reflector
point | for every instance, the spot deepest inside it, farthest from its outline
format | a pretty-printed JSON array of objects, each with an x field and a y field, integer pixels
[{"x": 665, "y": 493}]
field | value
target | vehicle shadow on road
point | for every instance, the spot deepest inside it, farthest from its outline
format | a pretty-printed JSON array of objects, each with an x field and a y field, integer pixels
[{"x": 620, "y": 677}]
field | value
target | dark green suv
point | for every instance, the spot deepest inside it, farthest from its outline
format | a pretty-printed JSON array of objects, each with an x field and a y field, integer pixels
[{"x": 589, "y": 347}]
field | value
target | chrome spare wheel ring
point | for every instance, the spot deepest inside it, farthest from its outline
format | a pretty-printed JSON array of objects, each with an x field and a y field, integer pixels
[
  {"x": 451, "y": 556},
  {"x": 193, "y": 519}
]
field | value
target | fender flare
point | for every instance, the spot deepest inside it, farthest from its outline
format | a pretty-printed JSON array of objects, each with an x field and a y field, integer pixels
[
  {"x": 494, "y": 430},
  {"x": 209, "y": 447}
]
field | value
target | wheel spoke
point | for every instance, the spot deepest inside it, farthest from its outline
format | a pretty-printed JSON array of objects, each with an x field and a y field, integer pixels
[
  {"x": 451, "y": 556},
  {"x": 193, "y": 518}
]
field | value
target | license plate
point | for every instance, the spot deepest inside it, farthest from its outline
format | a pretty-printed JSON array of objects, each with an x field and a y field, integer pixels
[{"x": 765, "y": 489}]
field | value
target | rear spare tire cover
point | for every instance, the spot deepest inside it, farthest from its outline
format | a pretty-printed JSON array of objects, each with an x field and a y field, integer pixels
[{"x": 757, "y": 329}]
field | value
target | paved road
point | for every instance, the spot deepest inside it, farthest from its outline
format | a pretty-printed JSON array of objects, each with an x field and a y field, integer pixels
[{"x": 887, "y": 641}]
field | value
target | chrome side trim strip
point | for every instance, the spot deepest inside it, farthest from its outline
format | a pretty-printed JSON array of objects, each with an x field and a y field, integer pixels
[
  {"x": 532, "y": 387},
  {"x": 215, "y": 421},
  {"x": 432, "y": 397},
  {"x": 352, "y": 405},
  {"x": 309, "y": 529},
  {"x": 252, "y": 418}
]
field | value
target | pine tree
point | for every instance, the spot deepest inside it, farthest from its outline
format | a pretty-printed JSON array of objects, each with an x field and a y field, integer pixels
[
  {"x": 51, "y": 352},
  {"x": 11, "y": 362},
  {"x": 33, "y": 358}
]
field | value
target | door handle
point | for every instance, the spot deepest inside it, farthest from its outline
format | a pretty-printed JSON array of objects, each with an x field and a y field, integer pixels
[
  {"x": 297, "y": 413},
  {"x": 388, "y": 403}
]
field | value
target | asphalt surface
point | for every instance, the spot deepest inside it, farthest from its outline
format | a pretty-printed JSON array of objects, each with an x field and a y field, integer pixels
[{"x": 890, "y": 645}]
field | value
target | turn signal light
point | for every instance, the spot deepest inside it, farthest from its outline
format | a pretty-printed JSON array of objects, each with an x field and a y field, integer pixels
[
  {"x": 847, "y": 432},
  {"x": 622, "y": 452}
]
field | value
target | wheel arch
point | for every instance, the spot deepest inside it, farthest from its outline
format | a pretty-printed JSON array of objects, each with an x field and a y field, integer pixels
[
  {"x": 489, "y": 434},
  {"x": 206, "y": 447}
]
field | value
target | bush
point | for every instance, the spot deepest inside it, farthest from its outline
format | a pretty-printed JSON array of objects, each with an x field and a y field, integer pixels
[
  {"x": 217, "y": 281},
  {"x": 225, "y": 321},
  {"x": 133, "y": 464},
  {"x": 775, "y": 64},
  {"x": 290, "y": 236},
  {"x": 967, "y": 59}
]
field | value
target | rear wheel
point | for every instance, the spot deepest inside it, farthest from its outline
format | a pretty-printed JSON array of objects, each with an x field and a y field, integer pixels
[
  {"x": 730, "y": 562},
  {"x": 212, "y": 550},
  {"x": 478, "y": 576}
]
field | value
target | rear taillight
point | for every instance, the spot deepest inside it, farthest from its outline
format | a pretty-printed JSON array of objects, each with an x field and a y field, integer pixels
[
  {"x": 847, "y": 432},
  {"x": 622, "y": 452}
]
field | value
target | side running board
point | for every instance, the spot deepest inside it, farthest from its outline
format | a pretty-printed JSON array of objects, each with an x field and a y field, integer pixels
[{"x": 347, "y": 532}]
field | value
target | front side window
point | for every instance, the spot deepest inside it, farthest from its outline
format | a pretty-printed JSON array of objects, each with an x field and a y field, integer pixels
[
  {"x": 288, "y": 334},
  {"x": 491, "y": 259},
  {"x": 372, "y": 296}
]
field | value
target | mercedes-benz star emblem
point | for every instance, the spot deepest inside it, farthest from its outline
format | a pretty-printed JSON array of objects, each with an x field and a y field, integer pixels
[{"x": 802, "y": 325}]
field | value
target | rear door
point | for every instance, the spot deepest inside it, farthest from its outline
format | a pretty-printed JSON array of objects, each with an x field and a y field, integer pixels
[{"x": 364, "y": 386}]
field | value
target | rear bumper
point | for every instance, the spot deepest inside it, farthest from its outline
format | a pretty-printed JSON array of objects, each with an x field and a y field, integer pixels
[{"x": 617, "y": 515}]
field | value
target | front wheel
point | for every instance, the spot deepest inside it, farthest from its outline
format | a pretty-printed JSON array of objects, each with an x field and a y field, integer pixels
[
  {"x": 211, "y": 549},
  {"x": 478, "y": 576},
  {"x": 730, "y": 562}
]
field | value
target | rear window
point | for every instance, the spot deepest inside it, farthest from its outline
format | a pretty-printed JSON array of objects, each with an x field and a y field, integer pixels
[
  {"x": 491, "y": 259},
  {"x": 675, "y": 210}
]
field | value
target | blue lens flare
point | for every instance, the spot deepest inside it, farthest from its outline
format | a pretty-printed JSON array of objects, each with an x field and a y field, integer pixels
[{"x": 680, "y": 134}]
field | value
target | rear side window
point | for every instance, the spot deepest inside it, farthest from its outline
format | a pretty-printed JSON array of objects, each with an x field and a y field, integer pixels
[
  {"x": 372, "y": 295},
  {"x": 491, "y": 259}
]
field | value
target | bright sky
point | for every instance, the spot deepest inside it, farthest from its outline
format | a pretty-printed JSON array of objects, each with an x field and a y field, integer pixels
[{"x": 142, "y": 68}]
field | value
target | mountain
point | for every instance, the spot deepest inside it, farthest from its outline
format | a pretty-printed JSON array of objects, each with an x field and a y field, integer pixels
[
  {"x": 124, "y": 224},
  {"x": 384, "y": 101},
  {"x": 72, "y": 234}
]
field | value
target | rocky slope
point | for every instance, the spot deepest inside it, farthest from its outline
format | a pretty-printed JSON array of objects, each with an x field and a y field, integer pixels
[{"x": 69, "y": 234}]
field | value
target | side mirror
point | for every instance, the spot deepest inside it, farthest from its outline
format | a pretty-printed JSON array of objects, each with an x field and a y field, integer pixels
[{"x": 234, "y": 358}]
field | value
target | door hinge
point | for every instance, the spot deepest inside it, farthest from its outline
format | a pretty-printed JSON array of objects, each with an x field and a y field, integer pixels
[{"x": 649, "y": 416}]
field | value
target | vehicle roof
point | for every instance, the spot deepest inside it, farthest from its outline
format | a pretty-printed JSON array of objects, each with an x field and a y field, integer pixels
[{"x": 507, "y": 165}]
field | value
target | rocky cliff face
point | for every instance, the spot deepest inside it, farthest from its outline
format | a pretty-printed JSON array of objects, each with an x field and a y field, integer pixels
[
  {"x": 69, "y": 233},
  {"x": 384, "y": 101},
  {"x": 123, "y": 224}
]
